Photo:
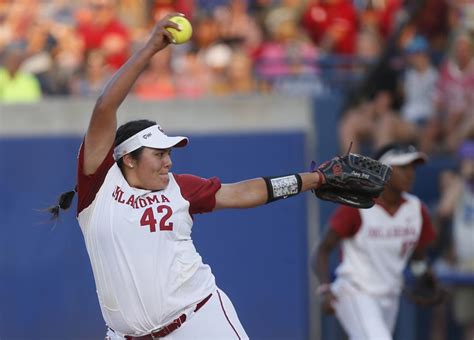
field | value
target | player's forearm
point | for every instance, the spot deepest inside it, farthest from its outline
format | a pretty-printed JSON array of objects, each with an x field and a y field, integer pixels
[
  {"x": 101, "y": 131},
  {"x": 254, "y": 192},
  {"x": 419, "y": 255},
  {"x": 246, "y": 194},
  {"x": 321, "y": 266},
  {"x": 321, "y": 256}
]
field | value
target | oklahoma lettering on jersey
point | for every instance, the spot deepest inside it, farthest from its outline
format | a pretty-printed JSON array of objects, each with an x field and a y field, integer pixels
[
  {"x": 376, "y": 245},
  {"x": 146, "y": 268},
  {"x": 137, "y": 202}
]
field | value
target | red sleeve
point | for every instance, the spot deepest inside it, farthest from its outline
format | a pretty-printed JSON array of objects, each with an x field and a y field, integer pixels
[
  {"x": 89, "y": 185},
  {"x": 427, "y": 234},
  {"x": 345, "y": 221},
  {"x": 199, "y": 192}
]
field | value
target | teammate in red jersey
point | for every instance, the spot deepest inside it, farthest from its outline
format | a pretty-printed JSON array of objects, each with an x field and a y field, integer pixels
[{"x": 377, "y": 244}]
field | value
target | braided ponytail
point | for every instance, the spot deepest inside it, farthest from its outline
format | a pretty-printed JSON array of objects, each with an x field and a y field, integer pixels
[{"x": 64, "y": 203}]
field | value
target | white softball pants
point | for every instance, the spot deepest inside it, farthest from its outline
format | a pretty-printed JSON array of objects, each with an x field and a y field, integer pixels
[
  {"x": 364, "y": 316},
  {"x": 216, "y": 320}
]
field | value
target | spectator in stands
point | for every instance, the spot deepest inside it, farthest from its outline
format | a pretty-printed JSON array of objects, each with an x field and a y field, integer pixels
[
  {"x": 454, "y": 99},
  {"x": 68, "y": 56},
  {"x": 103, "y": 30},
  {"x": 373, "y": 124},
  {"x": 17, "y": 19},
  {"x": 368, "y": 45},
  {"x": 39, "y": 60},
  {"x": 214, "y": 54},
  {"x": 384, "y": 17},
  {"x": 432, "y": 23},
  {"x": 287, "y": 60},
  {"x": 418, "y": 83},
  {"x": 332, "y": 25},
  {"x": 193, "y": 80},
  {"x": 466, "y": 14},
  {"x": 17, "y": 86},
  {"x": 239, "y": 79},
  {"x": 157, "y": 81},
  {"x": 236, "y": 25},
  {"x": 92, "y": 79},
  {"x": 456, "y": 212}
]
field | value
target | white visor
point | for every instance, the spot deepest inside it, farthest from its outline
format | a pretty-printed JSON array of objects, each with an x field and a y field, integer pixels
[
  {"x": 398, "y": 157},
  {"x": 151, "y": 137}
]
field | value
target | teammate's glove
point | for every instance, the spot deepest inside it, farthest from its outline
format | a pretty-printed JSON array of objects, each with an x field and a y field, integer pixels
[
  {"x": 352, "y": 180},
  {"x": 425, "y": 291}
]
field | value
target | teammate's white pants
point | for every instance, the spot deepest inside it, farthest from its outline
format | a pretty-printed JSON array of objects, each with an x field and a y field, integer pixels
[
  {"x": 364, "y": 316},
  {"x": 216, "y": 320}
]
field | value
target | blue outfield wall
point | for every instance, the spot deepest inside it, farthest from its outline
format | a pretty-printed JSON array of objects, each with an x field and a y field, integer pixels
[{"x": 259, "y": 256}]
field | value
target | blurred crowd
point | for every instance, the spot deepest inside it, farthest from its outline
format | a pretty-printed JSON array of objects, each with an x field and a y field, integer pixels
[
  {"x": 59, "y": 47},
  {"x": 418, "y": 55},
  {"x": 406, "y": 67}
]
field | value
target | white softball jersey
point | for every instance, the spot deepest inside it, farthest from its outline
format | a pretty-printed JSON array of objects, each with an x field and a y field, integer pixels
[
  {"x": 377, "y": 245},
  {"x": 146, "y": 268}
]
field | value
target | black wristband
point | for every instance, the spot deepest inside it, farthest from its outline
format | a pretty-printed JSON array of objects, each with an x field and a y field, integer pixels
[{"x": 283, "y": 187}]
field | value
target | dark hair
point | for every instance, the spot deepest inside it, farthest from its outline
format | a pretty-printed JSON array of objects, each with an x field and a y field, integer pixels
[
  {"x": 64, "y": 202},
  {"x": 124, "y": 132},
  {"x": 127, "y": 130}
]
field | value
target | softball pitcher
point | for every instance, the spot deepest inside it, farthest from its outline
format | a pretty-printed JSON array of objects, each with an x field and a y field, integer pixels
[{"x": 136, "y": 217}]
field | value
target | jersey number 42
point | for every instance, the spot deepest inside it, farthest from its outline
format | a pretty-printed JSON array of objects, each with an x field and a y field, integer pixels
[{"x": 164, "y": 212}]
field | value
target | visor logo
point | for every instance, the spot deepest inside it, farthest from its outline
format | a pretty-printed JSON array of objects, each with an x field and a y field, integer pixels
[{"x": 145, "y": 136}]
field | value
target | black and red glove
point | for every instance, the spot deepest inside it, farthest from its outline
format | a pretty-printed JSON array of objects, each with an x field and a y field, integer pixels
[{"x": 352, "y": 180}]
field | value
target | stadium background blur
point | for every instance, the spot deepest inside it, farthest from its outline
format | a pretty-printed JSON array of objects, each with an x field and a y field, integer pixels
[{"x": 300, "y": 78}]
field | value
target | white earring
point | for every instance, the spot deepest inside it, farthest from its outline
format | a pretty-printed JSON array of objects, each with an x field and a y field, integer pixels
[{"x": 131, "y": 166}]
